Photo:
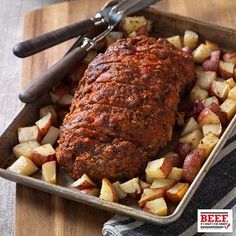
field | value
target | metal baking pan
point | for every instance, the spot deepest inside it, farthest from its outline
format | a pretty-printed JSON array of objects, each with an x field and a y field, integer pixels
[{"x": 164, "y": 24}]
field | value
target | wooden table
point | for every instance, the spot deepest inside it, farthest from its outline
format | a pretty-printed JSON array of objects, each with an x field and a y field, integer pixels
[{"x": 39, "y": 213}]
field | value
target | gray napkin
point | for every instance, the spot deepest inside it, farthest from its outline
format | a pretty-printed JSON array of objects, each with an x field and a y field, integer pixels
[{"x": 218, "y": 190}]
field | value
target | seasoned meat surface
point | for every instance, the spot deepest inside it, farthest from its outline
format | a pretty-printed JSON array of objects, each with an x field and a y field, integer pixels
[{"x": 124, "y": 109}]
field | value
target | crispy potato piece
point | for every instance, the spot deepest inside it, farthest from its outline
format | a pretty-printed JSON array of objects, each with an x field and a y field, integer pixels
[
  {"x": 25, "y": 149},
  {"x": 150, "y": 194},
  {"x": 230, "y": 57},
  {"x": 144, "y": 185},
  {"x": 232, "y": 93},
  {"x": 120, "y": 193},
  {"x": 220, "y": 89},
  {"x": 210, "y": 100},
  {"x": 44, "y": 123},
  {"x": 176, "y": 173},
  {"x": 108, "y": 191},
  {"x": 49, "y": 172},
  {"x": 215, "y": 129},
  {"x": 164, "y": 184},
  {"x": 229, "y": 107},
  {"x": 190, "y": 39},
  {"x": 206, "y": 78},
  {"x": 207, "y": 116},
  {"x": 84, "y": 182},
  {"x": 192, "y": 138},
  {"x": 30, "y": 133},
  {"x": 208, "y": 143},
  {"x": 175, "y": 40},
  {"x": 198, "y": 93},
  {"x": 23, "y": 166},
  {"x": 44, "y": 111},
  {"x": 190, "y": 125},
  {"x": 177, "y": 192},
  {"x": 201, "y": 53},
  {"x": 226, "y": 69},
  {"x": 212, "y": 64},
  {"x": 43, "y": 154},
  {"x": 159, "y": 168},
  {"x": 131, "y": 186},
  {"x": 51, "y": 136},
  {"x": 157, "y": 207}
]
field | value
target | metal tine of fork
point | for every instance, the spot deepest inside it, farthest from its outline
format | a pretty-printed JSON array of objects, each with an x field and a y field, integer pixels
[{"x": 110, "y": 3}]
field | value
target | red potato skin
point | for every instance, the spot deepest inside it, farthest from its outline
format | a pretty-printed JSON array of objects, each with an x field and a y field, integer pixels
[
  {"x": 192, "y": 164},
  {"x": 166, "y": 167},
  {"x": 183, "y": 149},
  {"x": 212, "y": 64},
  {"x": 39, "y": 159},
  {"x": 214, "y": 107},
  {"x": 175, "y": 159},
  {"x": 194, "y": 108},
  {"x": 222, "y": 115},
  {"x": 142, "y": 30},
  {"x": 230, "y": 57},
  {"x": 225, "y": 74}
]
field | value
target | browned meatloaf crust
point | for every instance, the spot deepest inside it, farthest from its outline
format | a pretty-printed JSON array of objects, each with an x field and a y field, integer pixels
[{"x": 124, "y": 109}]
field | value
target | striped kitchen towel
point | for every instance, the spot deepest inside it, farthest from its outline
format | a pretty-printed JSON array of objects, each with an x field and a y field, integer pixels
[{"x": 218, "y": 190}]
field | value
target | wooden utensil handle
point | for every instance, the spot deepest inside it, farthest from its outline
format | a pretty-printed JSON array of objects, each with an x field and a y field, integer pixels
[
  {"x": 46, "y": 80},
  {"x": 47, "y": 40}
]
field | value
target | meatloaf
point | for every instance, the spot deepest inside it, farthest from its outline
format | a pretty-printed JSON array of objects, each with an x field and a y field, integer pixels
[{"x": 124, "y": 109}]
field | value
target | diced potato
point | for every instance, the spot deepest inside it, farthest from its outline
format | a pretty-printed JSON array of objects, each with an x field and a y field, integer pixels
[
  {"x": 44, "y": 123},
  {"x": 44, "y": 111},
  {"x": 51, "y": 136},
  {"x": 206, "y": 78},
  {"x": 230, "y": 57},
  {"x": 23, "y": 166},
  {"x": 215, "y": 129},
  {"x": 190, "y": 125},
  {"x": 163, "y": 183},
  {"x": 120, "y": 193},
  {"x": 201, "y": 53},
  {"x": 229, "y": 107},
  {"x": 232, "y": 93},
  {"x": 207, "y": 116},
  {"x": 212, "y": 46},
  {"x": 175, "y": 40},
  {"x": 131, "y": 186},
  {"x": 30, "y": 133},
  {"x": 220, "y": 89},
  {"x": 210, "y": 100},
  {"x": 108, "y": 191},
  {"x": 231, "y": 83},
  {"x": 144, "y": 185},
  {"x": 208, "y": 143},
  {"x": 25, "y": 149},
  {"x": 159, "y": 168},
  {"x": 157, "y": 207},
  {"x": 226, "y": 69},
  {"x": 49, "y": 172},
  {"x": 198, "y": 93},
  {"x": 176, "y": 173},
  {"x": 190, "y": 39},
  {"x": 177, "y": 192},
  {"x": 84, "y": 182},
  {"x": 131, "y": 24},
  {"x": 150, "y": 194},
  {"x": 193, "y": 138},
  {"x": 43, "y": 154},
  {"x": 192, "y": 164}
]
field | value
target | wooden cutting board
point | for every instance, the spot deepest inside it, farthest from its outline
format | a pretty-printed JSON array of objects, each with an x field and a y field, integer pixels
[{"x": 40, "y": 213}]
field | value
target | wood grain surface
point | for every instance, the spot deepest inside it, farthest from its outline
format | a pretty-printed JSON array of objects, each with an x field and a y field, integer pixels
[{"x": 40, "y": 213}]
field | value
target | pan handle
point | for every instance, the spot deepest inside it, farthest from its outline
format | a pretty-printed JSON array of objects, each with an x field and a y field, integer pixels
[
  {"x": 47, "y": 40},
  {"x": 44, "y": 82}
]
